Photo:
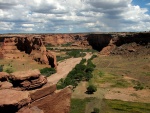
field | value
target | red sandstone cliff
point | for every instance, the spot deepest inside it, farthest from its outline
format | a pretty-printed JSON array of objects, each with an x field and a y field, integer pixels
[{"x": 13, "y": 47}]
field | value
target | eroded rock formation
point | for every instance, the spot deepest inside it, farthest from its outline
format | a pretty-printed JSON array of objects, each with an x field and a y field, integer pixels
[
  {"x": 28, "y": 94},
  {"x": 14, "y": 47},
  {"x": 120, "y": 43}
]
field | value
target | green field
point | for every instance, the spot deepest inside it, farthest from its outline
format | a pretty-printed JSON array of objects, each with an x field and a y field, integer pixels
[{"x": 114, "y": 72}]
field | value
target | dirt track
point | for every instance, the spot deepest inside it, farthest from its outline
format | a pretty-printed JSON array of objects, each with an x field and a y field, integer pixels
[{"x": 64, "y": 68}]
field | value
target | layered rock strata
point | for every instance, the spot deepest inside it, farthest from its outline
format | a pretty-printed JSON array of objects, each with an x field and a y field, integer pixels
[
  {"x": 16, "y": 47},
  {"x": 19, "y": 97}
]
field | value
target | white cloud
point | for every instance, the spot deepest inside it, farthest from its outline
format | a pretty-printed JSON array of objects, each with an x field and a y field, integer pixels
[
  {"x": 148, "y": 4},
  {"x": 72, "y": 16}
]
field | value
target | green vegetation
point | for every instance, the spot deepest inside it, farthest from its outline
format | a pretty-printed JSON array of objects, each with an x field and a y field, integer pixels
[
  {"x": 1, "y": 68},
  {"x": 91, "y": 89},
  {"x": 121, "y": 83},
  {"x": 67, "y": 44},
  {"x": 118, "y": 66},
  {"x": 138, "y": 86},
  {"x": 47, "y": 71},
  {"x": 117, "y": 106},
  {"x": 109, "y": 106},
  {"x": 80, "y": 72},
  {"x": 49, "y": 45},
  {"x": 60, "y": 58},
  {"x": 101, "y": 77},
  {"x": 146, "y": 73},
  {"x": 114, "y": 72},
  {"x": 96, "y": 110},
  {"x": 75, "y": 53},
  {"x": 79, "y": 105},
  {"x": 9, "y": 70}
]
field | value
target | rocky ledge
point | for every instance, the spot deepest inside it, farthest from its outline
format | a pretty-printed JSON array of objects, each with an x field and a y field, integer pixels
[{"x": 29, "y": 92}]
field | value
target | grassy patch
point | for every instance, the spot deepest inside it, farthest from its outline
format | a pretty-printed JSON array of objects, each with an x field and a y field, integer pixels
[
  {"x": 121, "y": 83},
  {"x": 108, "y": 106},
  {"x": 1, "y": 68},
  {"x": 117, "y": 106},
  {"x": 9, "y": 70},
  {"x": 79, "y": 105},
  {"x": 67, "y": 44},
  {"x": 146, "y": 73}
]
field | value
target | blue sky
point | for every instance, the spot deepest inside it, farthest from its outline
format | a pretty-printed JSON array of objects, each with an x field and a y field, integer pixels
[
  {"x": 142, "y": 4},
  {"x": 69, "y": 16}
]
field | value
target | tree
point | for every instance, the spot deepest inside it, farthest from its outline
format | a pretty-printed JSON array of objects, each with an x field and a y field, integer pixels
[
  {"x": 95, "y": 110},
  {"x": 47, "y": 71},
  {"x": 91, "y": 89}
]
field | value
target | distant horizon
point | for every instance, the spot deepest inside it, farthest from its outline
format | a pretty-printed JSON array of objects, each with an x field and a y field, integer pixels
[{"x": 79, "y": 32}]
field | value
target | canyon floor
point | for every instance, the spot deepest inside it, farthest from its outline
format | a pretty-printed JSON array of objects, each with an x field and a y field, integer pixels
[
  {"x": 116, "y": 78},
  {"x": 65, "y": 67}
]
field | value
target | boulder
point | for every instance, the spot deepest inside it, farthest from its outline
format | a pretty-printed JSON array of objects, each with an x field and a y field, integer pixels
[
  {"x": 12, "y": 100},
  {"x": 25, "y": 75},
  {"x": 34, "y": 83},
  {"x": 4, "y": 76},
  {"x": 42, "y": 92},
  {"x": 5, "y": 85}
]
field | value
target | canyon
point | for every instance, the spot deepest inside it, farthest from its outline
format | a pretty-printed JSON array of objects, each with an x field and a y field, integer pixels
[{"x": 30, "y": 91}]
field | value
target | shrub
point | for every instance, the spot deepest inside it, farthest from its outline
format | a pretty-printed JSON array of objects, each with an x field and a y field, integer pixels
[
  {"x": 139, "y": 86},
  {"x": 9, "y": 70},
  {"x": 91, "y": 89},
  {"x": 47, "y": 71},
  {"x": 75, "y": 53},
  {"x": 96, "y": 110},
  {"x": 88, "y": 76},
  {"x": 1, "y": 68},
  {"x": 59, "y": 58},
  {"x": 83, "y": 61}
]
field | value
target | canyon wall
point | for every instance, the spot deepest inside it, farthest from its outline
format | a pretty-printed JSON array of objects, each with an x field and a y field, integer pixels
[
  {"x": 14, "y": 47},
  {"x": 120, "y": 43}
]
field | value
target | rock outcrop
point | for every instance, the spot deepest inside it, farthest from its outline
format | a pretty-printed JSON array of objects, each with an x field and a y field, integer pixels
[
  {"x": 15, "y": 47},
  {"x": 12, "y": 100},
  {"x": 29, "y": 92},
  {"x": 31, "y": 79},
  {"x": 120, "y": 43}
]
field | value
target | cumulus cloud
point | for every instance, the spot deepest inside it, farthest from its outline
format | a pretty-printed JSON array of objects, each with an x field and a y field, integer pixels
[{"x": 72, "y": 16}]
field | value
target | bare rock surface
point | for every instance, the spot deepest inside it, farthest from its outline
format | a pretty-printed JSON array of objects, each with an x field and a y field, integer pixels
[
  {"x": 43, "y": 91},
  {"x": 24, "y": 75},
  {"x": 34, "y": 83},
  {"x": 30, "y": 110},
  {"x": 9, "y": 97},
  {"x": 58, "y": 102},
  {"x": 5, "y": 85},
  {"x": 4, "y": 76}
]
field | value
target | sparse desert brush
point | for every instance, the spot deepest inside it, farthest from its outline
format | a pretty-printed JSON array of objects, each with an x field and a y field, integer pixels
[
  {"x": 9, "y": 70},
  {"x": 1, "y": 68}
]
